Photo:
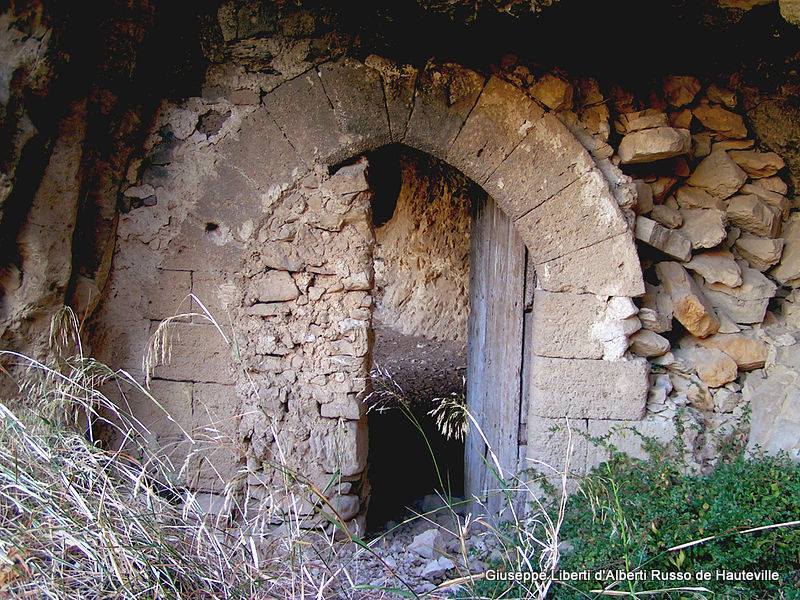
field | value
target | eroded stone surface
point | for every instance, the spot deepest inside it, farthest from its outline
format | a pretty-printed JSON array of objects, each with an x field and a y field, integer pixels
[{"x": 597, "y": 389}]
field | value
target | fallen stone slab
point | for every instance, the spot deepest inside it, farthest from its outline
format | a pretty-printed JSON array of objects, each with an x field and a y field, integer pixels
[
  {"x": 774, "y": 199},
  {"x": 656, "y": 311},
  {"x": 680, "y": 90},
  {"x": 717, "y": 266},
  {"x": 692, "y": 197},
  {"x": 718, "y": 175},
  {"x": 762, "y": 253},
  {"x": 749, "y": 353},
  {"x": 691, "y": 307},
  {"x": 648, "y": 343},
  {"x": 703, "y": 227},
  {"x": 724, "y": 122},
  {"x": 750, "y": 214},
  {"x": 650, "y": 145},
  {"x": 639, "y": 120},
  {"x": 746, "y": 303},
  {"x": 668, "y": 241},
  {"x": 667, "y": 216},
  {"x": 714, "y": 367},
  {"x": 788, "y": 270},
  {"x": 757, "y": 164}
]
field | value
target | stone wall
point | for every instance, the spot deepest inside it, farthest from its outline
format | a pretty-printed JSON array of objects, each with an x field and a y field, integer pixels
[{"x": 286, "y": 275}]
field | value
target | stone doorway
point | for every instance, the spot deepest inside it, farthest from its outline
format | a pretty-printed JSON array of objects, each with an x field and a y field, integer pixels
[{"x": 421, "y": 213}]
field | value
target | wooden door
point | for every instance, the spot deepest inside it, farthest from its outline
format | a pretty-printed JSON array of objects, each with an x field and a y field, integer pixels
[{"x": 500, "y": 304}]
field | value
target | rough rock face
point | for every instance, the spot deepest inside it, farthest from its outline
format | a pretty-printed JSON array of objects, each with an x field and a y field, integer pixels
[{"x": 422, "y": 257}]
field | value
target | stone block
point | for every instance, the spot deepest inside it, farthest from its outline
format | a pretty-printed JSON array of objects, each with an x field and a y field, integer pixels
[
  {"x": 398, "y": 87},
  {"x": 775, "y": 420},
  {"x": 196, "y": 353},
  {"x": 564, "y": 325},
  {"x": 627, "y": 437},
  {"x": 217, "y": 454},
  {"x": 548, "y": 443},
  {"x": 548, "y": 160},
  {"x": 444, "y": 98},
  {"x": 164, "y": 421},
  {"x": 344, "y": 447},
  {"x": 689, "y": 304},
  {"x": 166, "y": 295},
  {"x": 218, "y": 294},
  {"x": 272, "y": 286},
  {"x": 212, "y": 235},
  {"x": 581, "y": 215},
  {"x": 500, "y": 120},
  {"x": 356, "y": 92},
  {"x": 650, "y": 145},
  {"x": 304, "y": 114},
  {"x": 671, "y": 243},
  {"x": 596, "y": 389},
  {"x": 608, "y": 268},
  {"x": 344, "y": 406}
]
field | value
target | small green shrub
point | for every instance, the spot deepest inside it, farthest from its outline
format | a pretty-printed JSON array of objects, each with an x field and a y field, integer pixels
[{"x": 631, "y": 512}]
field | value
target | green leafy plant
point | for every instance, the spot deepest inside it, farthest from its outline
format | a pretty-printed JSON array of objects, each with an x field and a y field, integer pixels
[{"x": 651, "y": 515}]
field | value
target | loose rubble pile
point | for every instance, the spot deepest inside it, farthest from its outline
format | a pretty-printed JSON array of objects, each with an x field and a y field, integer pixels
[{"x": 718, "y": 243}]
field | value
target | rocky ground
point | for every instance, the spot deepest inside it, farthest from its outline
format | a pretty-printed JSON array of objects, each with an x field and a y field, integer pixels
[{"x": 424, "y": 554}]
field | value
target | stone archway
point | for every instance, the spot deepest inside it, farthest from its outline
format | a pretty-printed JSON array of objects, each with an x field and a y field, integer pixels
[{"x": 274, "y": 158}]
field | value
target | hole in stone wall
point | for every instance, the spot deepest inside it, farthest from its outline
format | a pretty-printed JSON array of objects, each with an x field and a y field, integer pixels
[
  {"x": 421, "y": 213},
  {"x": 211, "y": 227}
]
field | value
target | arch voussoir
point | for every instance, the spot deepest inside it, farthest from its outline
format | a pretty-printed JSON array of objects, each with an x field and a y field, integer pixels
[
  {"x": 582, "y": 214},
  {"x": 498, "y": 123},
  {"x": 445, "y": 96},
  {"x": 399, "y": 83},
  {"x": 608, "y": 268},
  {"x": 355, "y": 91}
]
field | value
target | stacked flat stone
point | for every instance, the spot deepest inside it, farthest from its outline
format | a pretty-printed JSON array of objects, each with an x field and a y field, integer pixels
[{"x": 718, "y": 239}]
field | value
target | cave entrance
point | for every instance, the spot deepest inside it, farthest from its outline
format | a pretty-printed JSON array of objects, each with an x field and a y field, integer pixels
[{"x": 421, "y": 214}]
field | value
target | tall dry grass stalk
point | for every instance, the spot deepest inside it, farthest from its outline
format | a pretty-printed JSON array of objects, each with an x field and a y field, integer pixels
[{"x": 80, "y": 519}]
